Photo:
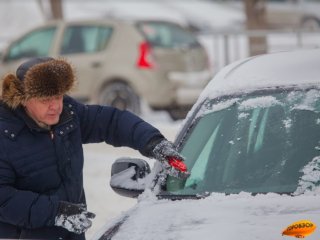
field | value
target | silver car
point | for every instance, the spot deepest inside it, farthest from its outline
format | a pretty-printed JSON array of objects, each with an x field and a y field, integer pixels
[{"x": 121, "y": 62}]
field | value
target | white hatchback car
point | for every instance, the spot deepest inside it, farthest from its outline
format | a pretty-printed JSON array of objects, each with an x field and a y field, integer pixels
[{"x": 252, "y": 146}]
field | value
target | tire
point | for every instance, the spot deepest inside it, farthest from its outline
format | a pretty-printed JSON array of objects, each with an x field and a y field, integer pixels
[
  {"x": 311, "y": 24},
  {"x": 121, "y": 96}
]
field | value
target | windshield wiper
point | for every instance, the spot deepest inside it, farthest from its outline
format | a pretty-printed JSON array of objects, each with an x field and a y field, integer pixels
[{"x": 174, "y": 197}]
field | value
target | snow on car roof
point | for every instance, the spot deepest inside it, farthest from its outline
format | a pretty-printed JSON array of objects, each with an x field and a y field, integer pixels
[
  {"x": 301, "y": 67},
  {"x": 281, "y": 69}
]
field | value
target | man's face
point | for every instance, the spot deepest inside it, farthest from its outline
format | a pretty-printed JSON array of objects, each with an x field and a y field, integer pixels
[{"x": 45, "y": 110}]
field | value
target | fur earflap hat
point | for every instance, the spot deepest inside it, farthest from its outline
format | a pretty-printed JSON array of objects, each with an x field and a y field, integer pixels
[{"x": 38, "y": 77}]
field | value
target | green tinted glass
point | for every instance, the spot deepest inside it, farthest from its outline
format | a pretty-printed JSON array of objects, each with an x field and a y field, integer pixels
[
  {"x": 85, "y": 39},
  {"x": 36, "y": 44},
  {"x": 256, "y": 144}
]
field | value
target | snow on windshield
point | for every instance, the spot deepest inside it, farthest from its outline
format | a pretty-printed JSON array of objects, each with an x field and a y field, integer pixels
[
  {"x": 304, "y": 101},
  {"x": 310, "y": 178},
  {"x": 217, "y": 107},
  {"x": 261, "y": 102},
  {"x": 308, "y": 101}
]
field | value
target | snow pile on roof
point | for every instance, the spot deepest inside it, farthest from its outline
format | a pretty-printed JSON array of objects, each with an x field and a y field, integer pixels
[{"x": 280, "y": 69}]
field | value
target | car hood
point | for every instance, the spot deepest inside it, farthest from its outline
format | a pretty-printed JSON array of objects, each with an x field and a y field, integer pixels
[{"x": 239, "y": 216}]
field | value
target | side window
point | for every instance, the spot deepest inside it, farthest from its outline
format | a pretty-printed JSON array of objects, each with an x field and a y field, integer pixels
[
  {"x": 85, "y": 39},
  {"x": 167, "y": 35},
  {"x": 34, "y": 44}
]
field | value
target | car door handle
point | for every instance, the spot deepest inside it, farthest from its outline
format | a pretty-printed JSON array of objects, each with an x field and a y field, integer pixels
[{"x": 95, "y": 64}]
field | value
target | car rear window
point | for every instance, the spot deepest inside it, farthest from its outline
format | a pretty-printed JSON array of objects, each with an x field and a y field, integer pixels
[
  {"x": 85, "y": 39},
  {"x": 167, "y": 35}
]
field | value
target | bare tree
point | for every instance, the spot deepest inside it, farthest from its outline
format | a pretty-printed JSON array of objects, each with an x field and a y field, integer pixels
[
  {"x": 51, "y": 9},
  {"x": 256, "y": 13},
  {"x": 56, "y": 9}
]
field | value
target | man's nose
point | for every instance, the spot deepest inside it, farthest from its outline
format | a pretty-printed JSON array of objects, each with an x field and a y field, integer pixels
[{"x": 54, "y": 104}]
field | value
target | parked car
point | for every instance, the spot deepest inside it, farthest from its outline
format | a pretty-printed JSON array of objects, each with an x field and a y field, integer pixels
[
  {"x": 251, "y": 144},
  {"x": 121, "y": 62},
  {"x": 295, "y": 14},
  {"x": 288, "y": 14}
]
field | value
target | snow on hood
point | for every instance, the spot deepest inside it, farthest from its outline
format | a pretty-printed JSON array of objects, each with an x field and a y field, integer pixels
[{"x": 238, "y": 217}]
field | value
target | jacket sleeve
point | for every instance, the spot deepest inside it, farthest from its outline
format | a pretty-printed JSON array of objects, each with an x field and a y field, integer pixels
[
  {"x": 24, "y": 208},
  {"x": 115, "y": 127}
]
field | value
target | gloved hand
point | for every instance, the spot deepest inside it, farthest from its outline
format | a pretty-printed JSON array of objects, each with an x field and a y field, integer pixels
[
  {"x": 73, "y": 217},
  {"x": 171, "y": 160},
  {"x": 165, "y": 149}
]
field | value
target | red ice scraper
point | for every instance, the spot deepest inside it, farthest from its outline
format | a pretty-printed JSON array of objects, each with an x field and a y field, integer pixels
[{"x": 177, "y": 168}]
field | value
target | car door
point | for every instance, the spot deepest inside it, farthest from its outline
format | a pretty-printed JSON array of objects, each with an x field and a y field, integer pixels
[
  {"x": 176, "y": 50},
  {"x": 83, "y": 45}
]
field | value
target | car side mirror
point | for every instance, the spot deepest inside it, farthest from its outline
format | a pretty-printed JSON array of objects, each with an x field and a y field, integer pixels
[{"x": 128, "y": 176}]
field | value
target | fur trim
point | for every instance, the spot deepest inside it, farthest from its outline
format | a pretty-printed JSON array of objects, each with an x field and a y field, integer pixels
[
  {"x": 12, "y": 91},
  {"x": 46, "y": 79},
  {"x": 51, "y": 78}
]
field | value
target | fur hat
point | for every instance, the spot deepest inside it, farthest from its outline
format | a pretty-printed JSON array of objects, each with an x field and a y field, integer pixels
[{"x": 37, "y": 77}]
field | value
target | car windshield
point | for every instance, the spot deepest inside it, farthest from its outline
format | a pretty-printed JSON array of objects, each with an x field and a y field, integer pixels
[{"x": 263, "y": 142}]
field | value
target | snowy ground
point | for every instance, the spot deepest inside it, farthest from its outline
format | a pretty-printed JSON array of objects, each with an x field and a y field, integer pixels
[{"x": 98, "y": 159}]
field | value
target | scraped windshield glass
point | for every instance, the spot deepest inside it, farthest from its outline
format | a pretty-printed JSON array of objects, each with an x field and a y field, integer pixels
[{"x": 260, "y": 143}]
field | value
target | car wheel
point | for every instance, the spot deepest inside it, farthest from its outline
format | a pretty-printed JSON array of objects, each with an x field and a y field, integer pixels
[
  {"x": 311, "y": 24},
  {"x": 121, "y": 96}
]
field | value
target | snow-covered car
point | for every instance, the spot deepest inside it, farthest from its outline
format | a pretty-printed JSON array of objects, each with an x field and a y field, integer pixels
[{"x": 252, "y": 146}]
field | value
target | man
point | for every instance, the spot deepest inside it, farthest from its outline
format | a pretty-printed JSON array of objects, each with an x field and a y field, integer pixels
[{"x": 41, "y": 156}]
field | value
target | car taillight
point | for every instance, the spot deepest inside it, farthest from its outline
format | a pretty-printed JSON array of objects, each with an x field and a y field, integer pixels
[{"x": 145, "y": 57}]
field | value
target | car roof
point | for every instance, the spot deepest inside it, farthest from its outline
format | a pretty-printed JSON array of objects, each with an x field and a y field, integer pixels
[
  {"x": 113, "y": 21},
  {"x": 274, "y": 70}
]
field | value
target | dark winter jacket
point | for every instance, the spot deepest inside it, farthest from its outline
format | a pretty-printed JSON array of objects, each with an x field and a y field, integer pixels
[{"x": 39, "y": 168}]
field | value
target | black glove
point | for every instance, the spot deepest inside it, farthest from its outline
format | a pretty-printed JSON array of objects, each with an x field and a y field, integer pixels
[
  {"x": 171, "y": 160},
  {"x": 164, "y": 150},
  {"x": 73, "y": 217}
]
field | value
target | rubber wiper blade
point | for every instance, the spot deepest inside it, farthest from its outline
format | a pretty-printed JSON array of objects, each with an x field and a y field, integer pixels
[{"x": 182, "y": 196}]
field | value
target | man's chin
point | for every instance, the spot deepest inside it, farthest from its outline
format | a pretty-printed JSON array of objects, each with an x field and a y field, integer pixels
[{"x": 52, "y": 121}]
